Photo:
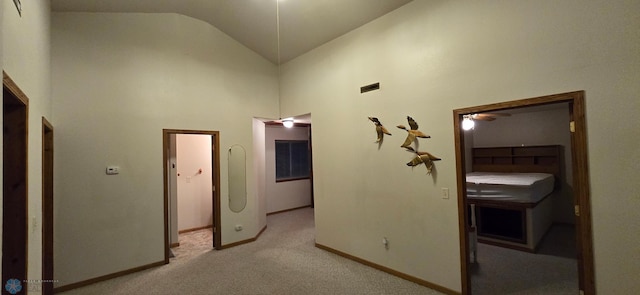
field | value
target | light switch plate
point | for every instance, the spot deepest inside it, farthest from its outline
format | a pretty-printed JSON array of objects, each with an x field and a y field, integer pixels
[{"x": 445, "y": 193}]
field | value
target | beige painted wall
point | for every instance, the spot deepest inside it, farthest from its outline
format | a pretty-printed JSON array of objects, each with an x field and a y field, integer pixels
[
  {"x": 26, "y": 60},
  {"x": 260, "y": 187},
  {"x": 430, "y": 58},
  {"x": 289, "y": 194},
  {"x": 120, "y": 79},
  {"x": 435, "y": 56}
]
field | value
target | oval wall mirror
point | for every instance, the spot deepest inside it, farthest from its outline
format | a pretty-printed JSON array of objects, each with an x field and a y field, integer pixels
[{"x": 237, "y": 178}]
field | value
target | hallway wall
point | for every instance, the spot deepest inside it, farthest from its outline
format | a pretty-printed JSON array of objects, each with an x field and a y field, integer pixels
[
  {"x": 25, "y": 58},
  {"x": 432, "y": 57},
  {"x": 121, "y": 78}
]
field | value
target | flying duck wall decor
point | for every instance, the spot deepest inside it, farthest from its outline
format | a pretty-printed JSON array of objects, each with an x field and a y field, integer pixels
[
  {"x": 412, "y": 133},
  {"x": 380, "y": 130},
  {"x": 422, "y": 158}
]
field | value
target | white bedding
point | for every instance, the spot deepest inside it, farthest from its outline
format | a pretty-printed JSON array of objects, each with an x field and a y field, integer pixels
[{"x": 513, "y": 187}]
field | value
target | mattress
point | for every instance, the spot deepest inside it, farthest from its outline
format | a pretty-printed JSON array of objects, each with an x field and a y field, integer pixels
[{"x": 512, "y": 187}]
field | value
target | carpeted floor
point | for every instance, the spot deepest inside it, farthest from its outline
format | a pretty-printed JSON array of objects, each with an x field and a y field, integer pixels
[
  {"x": 553, "y": 270},
  {"x": 192, "y": 244},
  {"x": 283, "y": 260}
]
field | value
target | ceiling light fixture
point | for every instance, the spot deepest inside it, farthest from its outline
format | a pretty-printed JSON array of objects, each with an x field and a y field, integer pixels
[
  {"x": 287, "y": 123},
  {"x": 467, "y": 122}
]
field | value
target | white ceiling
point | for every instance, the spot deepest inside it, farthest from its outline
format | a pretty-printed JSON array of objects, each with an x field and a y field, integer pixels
[{"x": 304, "y": 24}]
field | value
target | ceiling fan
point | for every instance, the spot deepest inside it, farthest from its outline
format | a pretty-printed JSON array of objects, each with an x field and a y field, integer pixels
[
  {"x": 468, "y": 120},
  {"x": 488, "y": 116}
]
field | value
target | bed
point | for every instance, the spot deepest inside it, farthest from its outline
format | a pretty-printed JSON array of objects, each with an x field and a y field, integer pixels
[{"x": 509, "y": 194}]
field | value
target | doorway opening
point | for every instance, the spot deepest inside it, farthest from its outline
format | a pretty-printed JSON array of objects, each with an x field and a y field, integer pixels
[
  {"x": 285, "y": 160},
  {"x": 289, "y": 169},
  {"x": 580, "y": 183},
  {"x": 14, "y": 184},
  {"x": 209, "y": 170},
  {"x": 47, "y": 207}
]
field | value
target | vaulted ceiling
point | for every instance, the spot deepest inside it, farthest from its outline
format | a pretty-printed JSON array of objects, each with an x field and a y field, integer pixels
[{"x": 303, "y": 24}]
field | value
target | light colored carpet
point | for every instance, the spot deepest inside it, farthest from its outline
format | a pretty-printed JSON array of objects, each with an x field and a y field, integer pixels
[
  {"x": 283, "y": 260},
  {"x": 192, "y": 244},
  {"x": 553, "y": 270}
]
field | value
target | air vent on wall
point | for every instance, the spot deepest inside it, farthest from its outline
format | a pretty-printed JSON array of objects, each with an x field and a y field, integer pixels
[{"x": 370, "y": 87}]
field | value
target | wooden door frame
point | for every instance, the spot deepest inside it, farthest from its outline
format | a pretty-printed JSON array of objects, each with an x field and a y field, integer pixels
[
  {"x": 23, "y": 101},
  {"x": 47, "y": 206},
  {"x": 215, "y": 157},
  {"x": 313, "y": 202},
  {"x": 581, "y": 185}
]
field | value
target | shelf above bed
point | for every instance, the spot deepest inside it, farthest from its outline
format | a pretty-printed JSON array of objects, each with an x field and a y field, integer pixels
[{"x": 543, "y": 159}]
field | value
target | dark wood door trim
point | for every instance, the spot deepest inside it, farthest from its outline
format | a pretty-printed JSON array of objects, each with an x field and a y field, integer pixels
[
  {"x": 12, "y": 87},
  {"x": 217, "y": 237},
  {"x": 580, "y": 181},
  {"x": 582, "y": 193},
  {"x": 47, "y": 207},
  {"x": 313, "y": 202},
  {"x": 15, "y": 181},
  {"x": 215, "y": 181}
]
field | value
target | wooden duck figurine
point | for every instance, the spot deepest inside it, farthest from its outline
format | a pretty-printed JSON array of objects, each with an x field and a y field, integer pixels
[
  {"x": 412, "y": 133},
  {"x": 380, "y": 130},
  {"x": 422, "y": 157}
]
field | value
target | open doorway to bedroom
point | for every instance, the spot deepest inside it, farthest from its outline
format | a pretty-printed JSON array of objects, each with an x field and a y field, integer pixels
[
  {"x": 191, "y": 161},
  {"x": 515, "y": 230}
]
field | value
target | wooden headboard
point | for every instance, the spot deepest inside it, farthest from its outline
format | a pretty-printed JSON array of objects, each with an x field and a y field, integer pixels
[{"x": 541, "y": 159}]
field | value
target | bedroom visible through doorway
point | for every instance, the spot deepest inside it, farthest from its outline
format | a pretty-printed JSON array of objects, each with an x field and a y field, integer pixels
[{"x": 509, "y": 157}]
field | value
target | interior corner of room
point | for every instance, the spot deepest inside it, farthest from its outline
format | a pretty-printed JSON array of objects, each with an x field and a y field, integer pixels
[{"x": 95, "y": 96}]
